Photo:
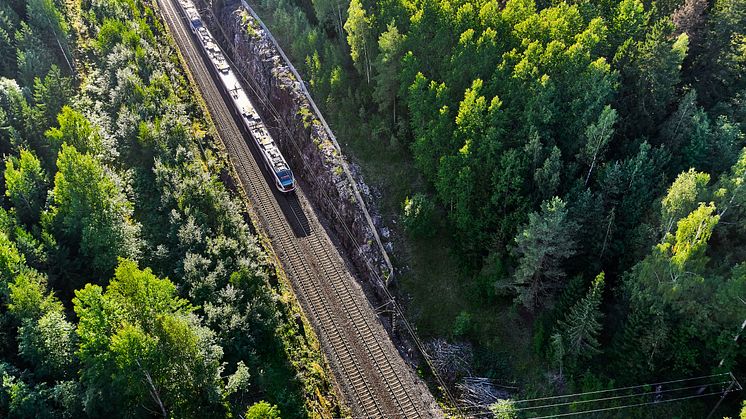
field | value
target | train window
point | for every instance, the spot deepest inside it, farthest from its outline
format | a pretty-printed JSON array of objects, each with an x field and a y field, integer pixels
[{"x": 286, "y": 177}]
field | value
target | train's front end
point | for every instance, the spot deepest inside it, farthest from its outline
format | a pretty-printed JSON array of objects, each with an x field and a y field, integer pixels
[{"x": 285, "y": 181}]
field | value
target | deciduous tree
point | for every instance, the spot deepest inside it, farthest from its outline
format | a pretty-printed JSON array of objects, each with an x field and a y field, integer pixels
[
  {"x": 75, "y": 130},
  {"x": 263, "y": 410},
  {"x": 360, "y": 37},
  {"x": 49, "y": 344},
  {"x": 685, "y": 194},
  {"x": 597, "y": 137},
  {"x": 26, "y": 186},
  {"x": 91, "y": 213},
  {"x": 143, "y": 351}
]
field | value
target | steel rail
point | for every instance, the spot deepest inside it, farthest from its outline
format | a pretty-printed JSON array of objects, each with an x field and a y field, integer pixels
[{"x": 372, "y": 376}]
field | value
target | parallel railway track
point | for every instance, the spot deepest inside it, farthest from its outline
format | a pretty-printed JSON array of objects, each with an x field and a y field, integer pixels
[{"x": 372, "y": 376}]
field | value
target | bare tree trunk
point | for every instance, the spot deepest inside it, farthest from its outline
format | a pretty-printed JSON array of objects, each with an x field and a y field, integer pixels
[
  {"x": 669, "y": 226},
  {"x": 154, "y": 391},
  {"x": 367, "y": 63},
  {"x": 732, "y": 198},
  {"x": 394, "y": 111},
  {"x": 608, "y": 233},
  {"x": 340, "y": 24},
  {"x": 588, "y": 177},
  {"x": 154, "y": 394}
]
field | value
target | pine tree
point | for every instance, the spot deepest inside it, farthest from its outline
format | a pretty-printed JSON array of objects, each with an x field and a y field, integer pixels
[{"x": 581, "y": 326}]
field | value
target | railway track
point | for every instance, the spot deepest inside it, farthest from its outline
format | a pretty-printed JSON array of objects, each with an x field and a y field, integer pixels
[{"x": 372, "y": 376}]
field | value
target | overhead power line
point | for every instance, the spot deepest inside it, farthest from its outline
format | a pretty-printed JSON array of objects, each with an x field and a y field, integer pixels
[
  {"x": 621, "y": 388},
  {"x": 626, "y": 406},
  {"x": 732, "y": 386},
  {"x": 626, "y": 396},
  {"x": 269, "y": 106}
]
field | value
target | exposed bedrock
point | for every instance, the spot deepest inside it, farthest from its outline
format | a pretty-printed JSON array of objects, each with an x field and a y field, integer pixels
[{"x": 303, "y": 140}]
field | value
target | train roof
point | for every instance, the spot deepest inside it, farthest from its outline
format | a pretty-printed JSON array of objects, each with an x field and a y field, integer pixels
[
  {"x": 253, "y": 122},
  {"x": 192, "y": 14}
]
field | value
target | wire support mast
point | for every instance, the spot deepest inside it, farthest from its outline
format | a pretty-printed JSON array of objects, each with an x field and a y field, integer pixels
[{"x": 314, "y": 182}]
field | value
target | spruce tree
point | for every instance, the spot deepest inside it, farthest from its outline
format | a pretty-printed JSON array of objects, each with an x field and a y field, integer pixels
[
  {"x": 541, "y": 247},
  {"x": 557, "y": 351},
  {"x": 581, "y": 326}
]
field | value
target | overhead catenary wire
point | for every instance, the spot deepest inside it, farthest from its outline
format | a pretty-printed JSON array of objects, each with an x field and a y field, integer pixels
[
  {"x": 275, "y": 114},
  {"x": 328, "y": 130},
  {"x": 334, "y": 328},
  {"x": 260, "y": 95},
  {"x": 398, "y": 311},
  {"x": 281, "y": 124},
  {"x": 722, "y": 361}
]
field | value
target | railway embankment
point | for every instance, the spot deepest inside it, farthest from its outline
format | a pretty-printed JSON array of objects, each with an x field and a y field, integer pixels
[{"x": 303, "y": 139}]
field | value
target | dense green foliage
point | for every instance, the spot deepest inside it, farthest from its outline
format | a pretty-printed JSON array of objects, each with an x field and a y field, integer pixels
[
  {"x": 139, "y": 328},
  {"x": 262, "y": 410},
  {"x": 561, "y": 139},
  {"x": 130, "y": 282}
]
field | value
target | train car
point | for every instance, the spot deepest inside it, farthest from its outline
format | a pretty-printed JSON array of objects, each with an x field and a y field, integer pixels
[{"x": 273, "y": 159}]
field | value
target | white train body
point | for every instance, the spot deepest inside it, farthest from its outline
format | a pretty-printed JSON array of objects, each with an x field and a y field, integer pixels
[{"x": 273, "y": 159}]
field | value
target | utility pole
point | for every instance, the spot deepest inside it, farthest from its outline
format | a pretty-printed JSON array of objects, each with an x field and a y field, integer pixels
[
  {"x": 725, "y": 393},
  {"x": 733, "y": 382}
]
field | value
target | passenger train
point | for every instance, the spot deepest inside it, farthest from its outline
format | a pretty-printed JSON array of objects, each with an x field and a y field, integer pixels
[{"x": 273, "y": 159}]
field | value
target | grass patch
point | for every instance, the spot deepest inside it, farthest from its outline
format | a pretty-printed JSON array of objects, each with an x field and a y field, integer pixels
[{"x": 437, "y": 287}]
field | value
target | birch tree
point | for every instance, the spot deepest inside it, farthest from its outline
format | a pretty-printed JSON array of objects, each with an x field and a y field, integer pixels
[
  {"x": 597, "y": 137},
  {"x": 359, "y": 37}
]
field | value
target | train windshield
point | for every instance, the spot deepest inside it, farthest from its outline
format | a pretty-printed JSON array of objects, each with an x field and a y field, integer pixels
[{"x": 286, "y": 177}]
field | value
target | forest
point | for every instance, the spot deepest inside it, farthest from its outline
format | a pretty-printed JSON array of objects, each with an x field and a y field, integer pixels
[
  {"x": 564, "y": 180},
  {"x": 579, "y": 163},
  {"x": 131, "y": 282}
]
